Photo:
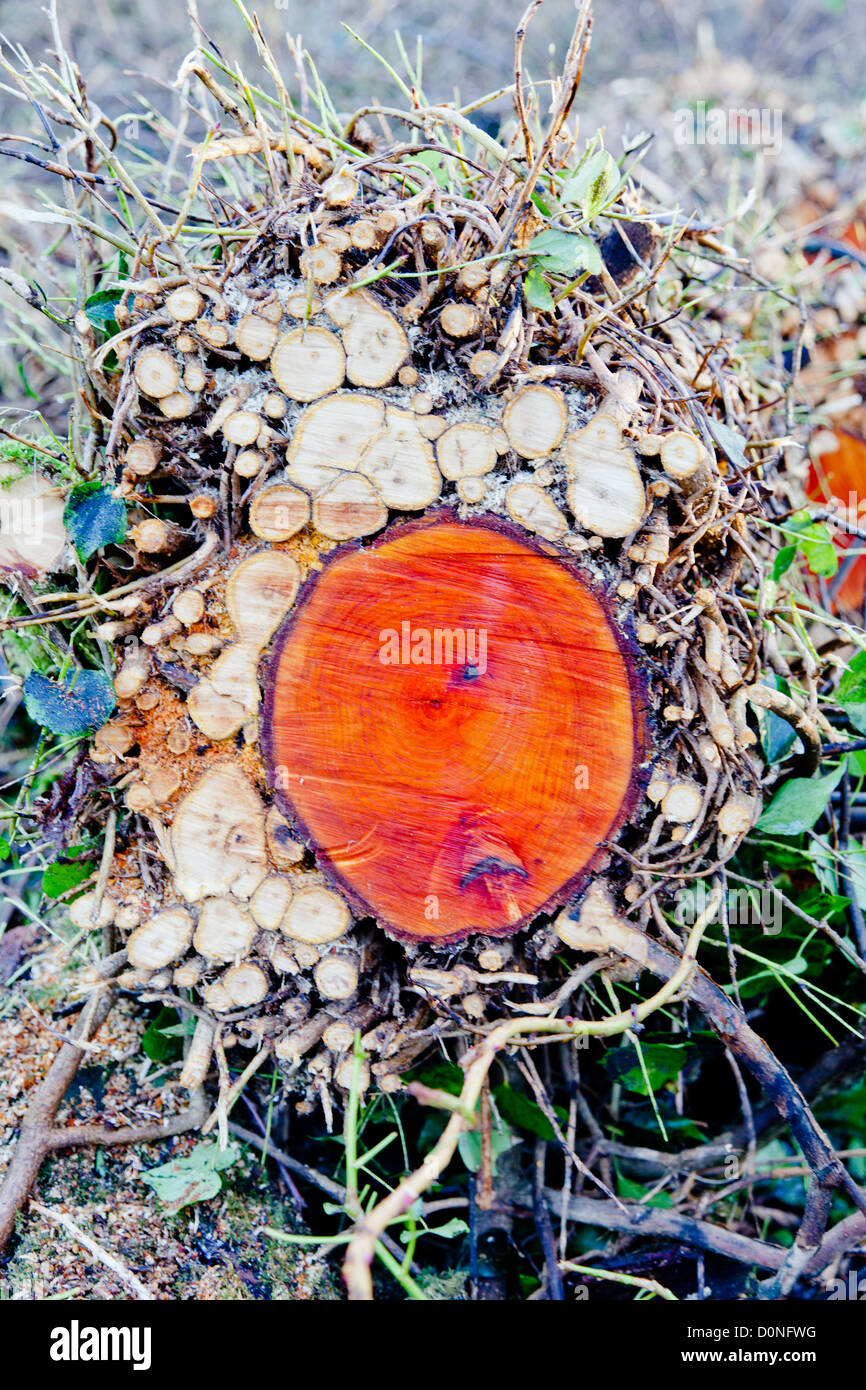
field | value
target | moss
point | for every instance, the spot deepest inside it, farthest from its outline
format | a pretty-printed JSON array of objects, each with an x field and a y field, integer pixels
[
  {"x": 449, "y": 1285},
  {"x": 215, "y": 1250}
]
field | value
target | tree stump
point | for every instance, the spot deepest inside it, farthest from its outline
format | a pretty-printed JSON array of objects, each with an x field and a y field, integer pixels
[{"x": 429, "y": 615}]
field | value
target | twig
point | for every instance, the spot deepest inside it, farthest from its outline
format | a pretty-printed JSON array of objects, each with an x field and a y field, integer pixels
[
  {"x": 541, "y": 1212},
  {"x": 93, "y": 1136},
  {"x": 633, "y": 1280},
  {"x": 320, "y": 1180},
  {"x": 223, "y": 1109},
  {"x": 104, "y": 1256},
  {"x": 655, "y": 1221},
  {"x": 102, "y": 880},
  {"x": 806, "y": 1245},
  {"x": 786, "y": 709},
  {"x": 40, "y": 1136},
  {"x": 846, "y": 882}
]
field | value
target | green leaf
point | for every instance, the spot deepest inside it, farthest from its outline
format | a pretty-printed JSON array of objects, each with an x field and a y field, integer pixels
[
  {"x": 635, "y": 1191},
  {"x": 81, "y": 702},
  {"x": 94, "y": 518},
  {"x": 565, "y": 253},
  {"x": 502, "y": 1139},
  {"x": 663, "y": 1062},
  {"x": 195, "y": 1178},
  {"x": 59, "y": 878},
  {"x": 441, "y": 1076},
  {"x": 852, "y": 686},
  {"x": 5, "y": 847},
  {"x": 783, "y": 562},
  {"x": 435, "y": 163},
  {"x": 158, "y": 1042},
  {"x": 592, "y": 184},
  {"x": 180, "y": 1030},
  {"x": 100, "y": 308},
  {"x": 856, "y": 714},
  {"x": 799, "y": 802},
  {"x": 537, "y": 290},
  {"x": 815, "y": 541},
  {"x": 521, "y": 1112},
  {"x": 452, "y": 1228},
  {"x": 778, "y": 737},
  {"x": 820, "y": 904},
  {"x": 851, "y": 693}
]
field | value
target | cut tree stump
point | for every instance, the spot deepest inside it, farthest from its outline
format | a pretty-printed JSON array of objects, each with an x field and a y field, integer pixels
[
  {"x": 437, "y": 720},
  {"x": 435, "y": 591}
]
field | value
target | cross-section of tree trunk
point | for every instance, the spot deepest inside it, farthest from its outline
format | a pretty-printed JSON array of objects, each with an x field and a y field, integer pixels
[{"x": 440, "y": 703}]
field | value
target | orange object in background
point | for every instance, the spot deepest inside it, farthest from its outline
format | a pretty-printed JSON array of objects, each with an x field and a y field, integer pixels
[
  {"x": 838, "y": 471},
  {"x": 855, "y": 233},
  {"x": 827, "y": 239},
  {"x": 454, "y": 724}
]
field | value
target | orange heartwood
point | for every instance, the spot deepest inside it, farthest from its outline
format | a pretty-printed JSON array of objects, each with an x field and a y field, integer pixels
[{"x": 455, "y": 726}]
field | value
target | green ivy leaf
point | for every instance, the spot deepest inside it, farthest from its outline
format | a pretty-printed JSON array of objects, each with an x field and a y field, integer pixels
[
  {"x": 778, "y": 737},
  {"x": 852, "y": 686},
  {"x": 799, "y": 802},
  {"x": 158, "y": 1043},
  {"x": 60, "y": 878},
  {"x": 81, "y": 702},
  {"x": 94, "y": 518},
  {"x": 100, "y": 308},
  {"x": 851, "y": 693},
  {"x": 636, "y": 1192},
  {"x": 441, "y": 1076},
  {"x": 815, "y": 541},
  {"x": 194, "y": 1178},
  {"x": 857, "y": 715},
  {"x": 180, "y": 1030},
  {"x": 537, "y": 290},
  {"x": 435, "y": 163},
  {"x": 565, "y": 253}
]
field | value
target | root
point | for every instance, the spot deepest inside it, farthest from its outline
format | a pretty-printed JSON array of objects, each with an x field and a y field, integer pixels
[{"x": 372, "y": 1225}]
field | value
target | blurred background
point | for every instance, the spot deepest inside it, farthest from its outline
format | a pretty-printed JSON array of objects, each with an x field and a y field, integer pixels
[
  {"x": 816, "y": 48},
  {"x": 647, "y": 56},
  {"x": 799, "y": 64}
]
